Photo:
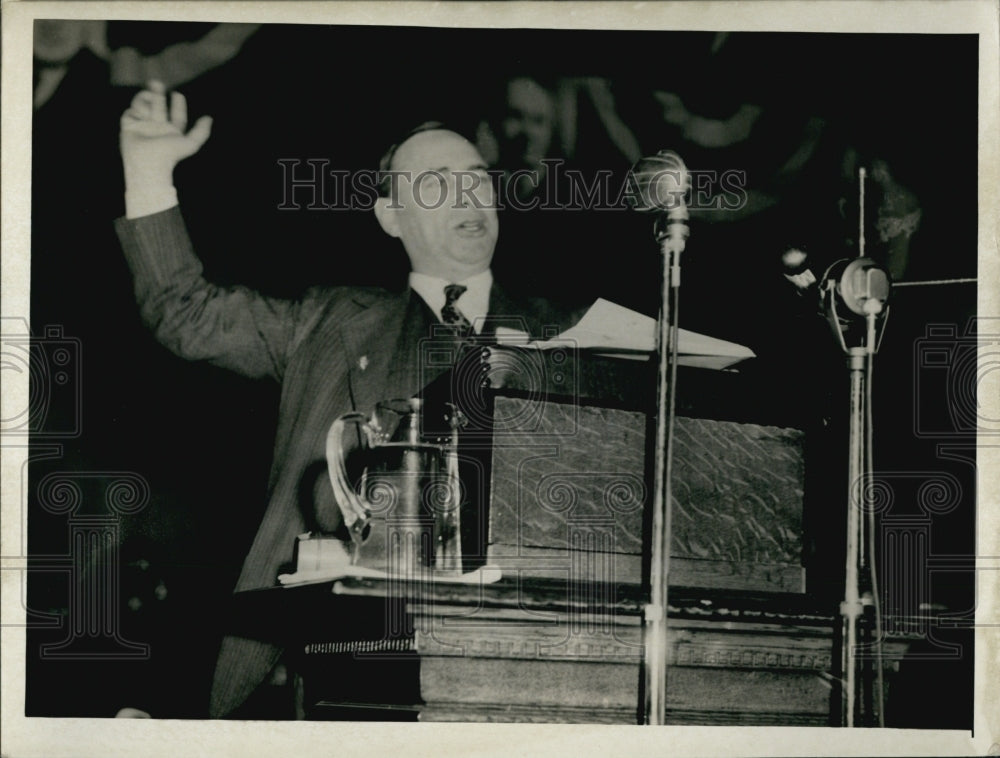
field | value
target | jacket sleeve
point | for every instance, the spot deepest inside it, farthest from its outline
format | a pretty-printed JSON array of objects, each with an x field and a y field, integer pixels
[{"x": 231, "y": 327}]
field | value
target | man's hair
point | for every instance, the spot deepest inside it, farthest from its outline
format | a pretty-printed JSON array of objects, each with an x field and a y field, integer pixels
[{"x": 385, "y": 182}]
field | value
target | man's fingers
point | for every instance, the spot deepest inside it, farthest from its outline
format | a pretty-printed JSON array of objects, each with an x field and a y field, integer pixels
[
  {"x": 155, "y": 97},
  {"x": 130, "y": 116},
  {"x": 158, "y": 107},
  {"x": 142, "y": 104},
  {"x": 148, "y": 121},
  {"x": 178, "y": 111},
  {"x": 199, "y": 133},
  {"x": 150, "y": 105}
]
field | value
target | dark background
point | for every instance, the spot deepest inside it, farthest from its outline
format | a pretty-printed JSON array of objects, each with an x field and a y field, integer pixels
[{"x": 202, "y": 438}]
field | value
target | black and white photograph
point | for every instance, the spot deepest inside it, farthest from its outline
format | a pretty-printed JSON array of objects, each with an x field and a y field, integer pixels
[{"x": 448, "y": 373}]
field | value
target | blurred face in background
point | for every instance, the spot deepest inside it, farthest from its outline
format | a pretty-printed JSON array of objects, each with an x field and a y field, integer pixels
[
  {"x": 57, "y": 42},
  {"x": 529, "y": 123}
]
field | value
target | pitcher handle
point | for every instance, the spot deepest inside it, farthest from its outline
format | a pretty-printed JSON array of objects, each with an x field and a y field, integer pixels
[{"x": 353, "y": 507}]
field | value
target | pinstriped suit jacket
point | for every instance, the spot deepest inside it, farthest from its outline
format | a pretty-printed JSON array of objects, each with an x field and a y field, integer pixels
[{"x": 333, "y": 351}]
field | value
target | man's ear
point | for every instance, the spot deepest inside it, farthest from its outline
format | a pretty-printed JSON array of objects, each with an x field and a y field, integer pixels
[{"x": 387, "y": 217}]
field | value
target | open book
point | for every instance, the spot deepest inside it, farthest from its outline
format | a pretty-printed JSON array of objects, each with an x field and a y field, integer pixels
[{"x": 612, "y": 329}]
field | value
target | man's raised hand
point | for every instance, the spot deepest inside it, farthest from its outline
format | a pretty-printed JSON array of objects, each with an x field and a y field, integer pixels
[{"x": 154, "y": 138}]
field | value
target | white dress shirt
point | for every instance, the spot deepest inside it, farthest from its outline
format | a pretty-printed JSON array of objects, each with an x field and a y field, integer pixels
[{"x": 474, "y": 303}]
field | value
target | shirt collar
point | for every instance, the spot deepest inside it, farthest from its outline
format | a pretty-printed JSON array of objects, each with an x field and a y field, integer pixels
[{"x": 474, "y": 303}]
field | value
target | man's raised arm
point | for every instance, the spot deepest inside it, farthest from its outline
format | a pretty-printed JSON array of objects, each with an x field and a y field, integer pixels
[{"x": 233, "y": 327}]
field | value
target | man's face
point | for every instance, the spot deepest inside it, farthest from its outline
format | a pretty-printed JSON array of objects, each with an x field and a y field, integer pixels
[{"x": 443, "y": 208}]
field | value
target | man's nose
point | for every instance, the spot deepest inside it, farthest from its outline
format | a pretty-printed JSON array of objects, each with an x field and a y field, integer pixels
[
  {"x": 458, "y": 193},
  {"x": 470, "y": 191}
]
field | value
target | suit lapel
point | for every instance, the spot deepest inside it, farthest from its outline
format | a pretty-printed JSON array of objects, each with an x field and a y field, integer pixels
[
  {"x": 368, "y": 339},
  {"x": 383, "y": 344},
  {"x": 413, "y": 363}
]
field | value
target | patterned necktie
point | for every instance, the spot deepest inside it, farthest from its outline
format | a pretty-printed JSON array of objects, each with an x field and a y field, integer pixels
[{"x": 452, "y": 315}]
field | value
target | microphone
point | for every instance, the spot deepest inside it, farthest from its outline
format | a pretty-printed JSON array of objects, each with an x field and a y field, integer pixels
[
  {"x": 861, "y": 287},
  {"x": 660, "y": 183},
  {"x": 860, "y": 284}
]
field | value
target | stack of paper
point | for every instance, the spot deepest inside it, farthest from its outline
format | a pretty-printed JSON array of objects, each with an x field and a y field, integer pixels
[{"x": 612, "y": 329}]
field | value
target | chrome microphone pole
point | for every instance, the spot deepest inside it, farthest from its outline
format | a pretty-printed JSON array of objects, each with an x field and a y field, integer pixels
[
  {"x": 655, "y": 613},
  {"x": 655, "y": 177}
]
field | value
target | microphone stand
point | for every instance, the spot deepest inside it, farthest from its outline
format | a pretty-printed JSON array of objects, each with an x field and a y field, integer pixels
[
  {"x": 672, "y": 240},
  {"x": 864, "y": 288}
]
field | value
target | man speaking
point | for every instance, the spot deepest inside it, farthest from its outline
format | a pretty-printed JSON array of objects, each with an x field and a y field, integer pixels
[{"x": 334, "y": 350}]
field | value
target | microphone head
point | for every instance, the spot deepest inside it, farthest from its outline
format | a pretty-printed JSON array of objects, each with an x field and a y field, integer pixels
[
  {"x": 861, "y": 284},
  {"x": 659, "y": 182}
]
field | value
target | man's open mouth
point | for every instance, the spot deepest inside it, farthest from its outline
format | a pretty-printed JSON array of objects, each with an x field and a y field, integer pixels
[{"x": 471, "y": 228}]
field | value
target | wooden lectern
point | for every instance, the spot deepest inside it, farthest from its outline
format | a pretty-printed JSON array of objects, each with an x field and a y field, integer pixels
[{"x": 558, "y": 453}]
